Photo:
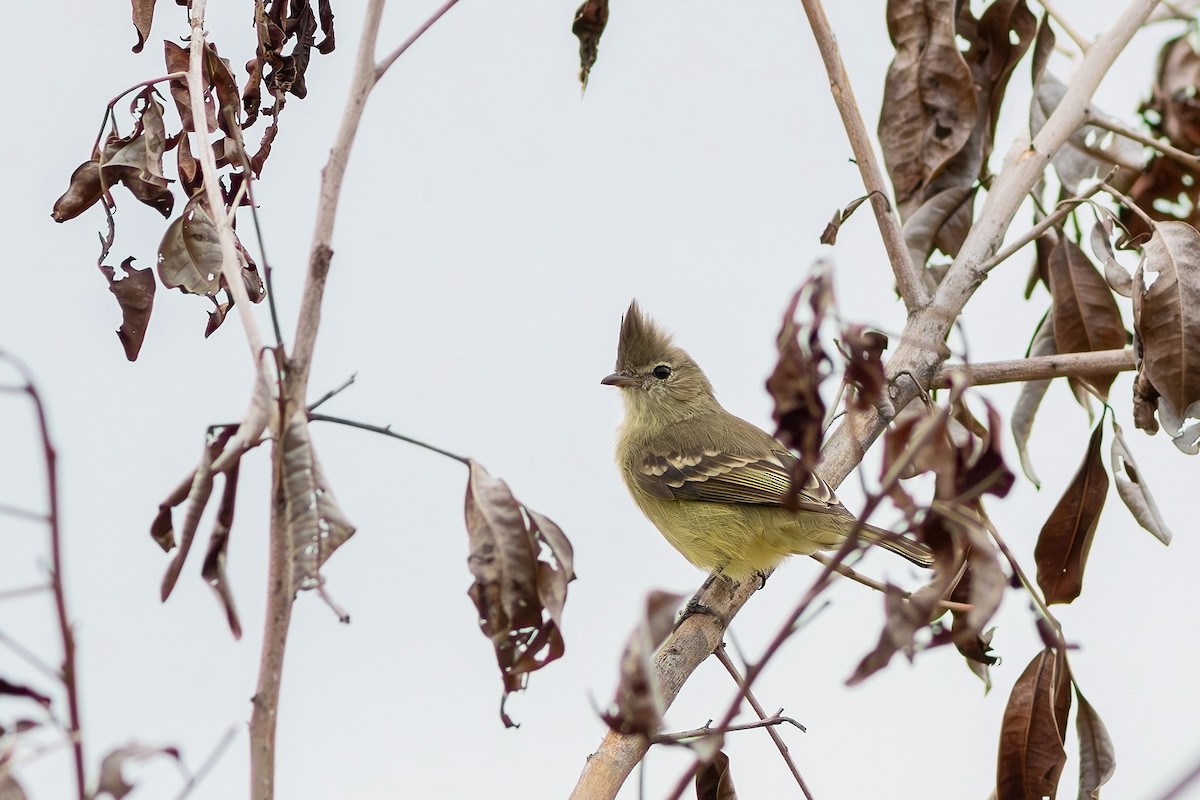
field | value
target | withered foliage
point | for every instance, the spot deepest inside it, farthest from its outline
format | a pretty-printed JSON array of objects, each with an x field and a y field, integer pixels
[
  {"x": 638, "y": 705},
  {"x": 714, "y": 781},
  {"x": 1066, "y": 538},
  {"x": 588, "y": 27},
  {"x": 963, "y": 455},
  {"x": 941, "y": 103},
  {"x": 522, "y": 564},
  {"x": 795, "y": 384},
  {"x": 1169, "y": 188},
  {"x": 1034, "y": 730},
  {"x": 189, "y": 256},
  {"x": 1166, "y": 321}
]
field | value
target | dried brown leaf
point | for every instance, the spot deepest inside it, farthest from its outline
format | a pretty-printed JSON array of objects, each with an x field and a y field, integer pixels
[
  {"x": 522, "y": 563},
  {"x": 864, "y": 365},
  {"x": 213, "y": 570},
  {"x": 112, "y": 778},
  {"x": 1167, "y": 316},
  {"x": 638, "y": 706},
  {"x": 315, "y": 522},
  {"x": 189, "y": 256},
  {"x": 941, "y": 223},
  {"x": 794, "y": 385},
  {"x": 218, "y": 72},
  {"x": 198, "y": 492},
  {"x": 588, "y": 27},
  {"x": 1165, "y": 190},
  {"x": 1066, "y": 538},
  {"x": 1086, "y": 317},
  {"x": 714, "y": 781},
  {"x": 929, "y": 104},
  {"x": 177, "y": 60},
  {"x": 135, "y": 296},
  {"x": 902, "y": 619},
  {"x": 83, "y": 192},
  {"x": 143, "y": 17},
  {"x": 1118, "y": 278},
  {"x": 1032, "y": 733},
  {"x": 829, "y": 235},
  {"x": 980, "y": 470},
  {"x": 1133, "y": 490},
  {"x": 1031, "y": 396},
  {"x": 1097, "y": 756},
  {"x": 1174, "y": 96}
]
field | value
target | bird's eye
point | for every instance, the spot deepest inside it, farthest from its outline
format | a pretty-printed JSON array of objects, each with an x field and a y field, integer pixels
[{"x": 662, "y": 372}]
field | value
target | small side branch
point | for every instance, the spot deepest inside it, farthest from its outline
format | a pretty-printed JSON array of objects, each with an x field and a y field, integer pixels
[
  {"x": 909, "y": 280},
  {"x": 1038, "y": 368},
  {"x": 723, "y": 656},
  {"x": 67, "y": 673}
]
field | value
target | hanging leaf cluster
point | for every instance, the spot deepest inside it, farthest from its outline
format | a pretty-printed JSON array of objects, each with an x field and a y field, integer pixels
[{"x": 189, "y": 256}]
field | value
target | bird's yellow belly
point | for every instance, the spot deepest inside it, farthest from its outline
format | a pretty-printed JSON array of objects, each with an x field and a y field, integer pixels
[{"x": 738, "y": 539}]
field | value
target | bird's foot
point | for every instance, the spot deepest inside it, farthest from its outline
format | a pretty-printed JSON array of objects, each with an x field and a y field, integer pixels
[{"x": 693, "y": 607}]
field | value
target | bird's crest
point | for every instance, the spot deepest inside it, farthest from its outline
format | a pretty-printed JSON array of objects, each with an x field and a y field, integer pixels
[{"x": 642, "y": 341}]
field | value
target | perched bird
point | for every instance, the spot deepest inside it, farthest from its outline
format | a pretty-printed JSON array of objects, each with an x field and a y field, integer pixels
[{"x": 712, "y": 483}]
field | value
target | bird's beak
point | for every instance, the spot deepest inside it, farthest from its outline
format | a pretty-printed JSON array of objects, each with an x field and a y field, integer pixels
[{"x": 620, "y": 380}]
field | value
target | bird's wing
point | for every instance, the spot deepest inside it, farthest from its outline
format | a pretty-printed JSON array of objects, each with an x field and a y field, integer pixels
[{"x": 721, "y": 477}]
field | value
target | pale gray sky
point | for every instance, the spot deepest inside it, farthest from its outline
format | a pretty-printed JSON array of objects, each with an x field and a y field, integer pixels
[{"x": 493, "y": 228}]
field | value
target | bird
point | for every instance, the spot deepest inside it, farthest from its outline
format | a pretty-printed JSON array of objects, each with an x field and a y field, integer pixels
[{"x": 712, "y": 483}]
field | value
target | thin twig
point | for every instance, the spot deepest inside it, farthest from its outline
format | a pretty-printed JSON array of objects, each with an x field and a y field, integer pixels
[
  {"x": 387, "y": 431},
  {"x": 909, "y": 279},
  {"x": 1132, "y": 206},
  {"x": 24, "y": 591},
  {"x": 366, "y": 75},
  {"x": 68, "y": 674},
  {"x": 1181, "y": 786},
  {"x": 732, "y": 669},
  {"x": 332, "y": 393},
  {"x": 21, "y": 513},
  {"x": 31, "y": 658},
  {"x": 709, "y": 730},
  {"x": 871, "y": 583},
  {"x": 248, "y": 182},
  {"x": 1166, "y": 148},
  {"x": 209, "y": 763},
  {"x": 1061, "y": 211},
  {"x": 1038, "y": 368},
  {"x": 391, "y": 57},
  {"x": 1080, "y": 42}
]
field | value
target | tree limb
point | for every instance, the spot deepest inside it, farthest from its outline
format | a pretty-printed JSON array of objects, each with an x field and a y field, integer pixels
[
  {"x": 1038, "y": 368},
  {"x": 909, "y": 280}
]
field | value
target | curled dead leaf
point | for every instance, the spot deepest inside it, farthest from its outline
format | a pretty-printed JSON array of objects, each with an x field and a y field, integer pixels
[
  {"x": 794, "y": 385},
  {"x": 714, "y": 781},
  {"x": 135, "y": 296},
  {"x": 638, "y": 705},
  {"x": 83, "y": 192},
  {"x": 588, "y": 27},
  {"x": 522, "y": 563},
  {"x": 1133, "y": 490}
]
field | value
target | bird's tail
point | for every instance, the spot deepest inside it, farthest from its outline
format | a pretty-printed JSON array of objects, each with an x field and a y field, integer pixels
[{"x": 915, "y": 552}]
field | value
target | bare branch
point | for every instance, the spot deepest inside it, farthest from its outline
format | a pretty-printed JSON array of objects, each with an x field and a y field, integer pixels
[
  {"x": 1038, "y": 368},
  {"x": 723, "y": 656},
  {"x": 391, "y": 57},
  {"x": 221, "y": 217},
  {"x": 871, "y": 583},
  {"x": 909, "y": 280},
  {"x": 67, "y": 675},
  {"x": 1061, "y": 211}
]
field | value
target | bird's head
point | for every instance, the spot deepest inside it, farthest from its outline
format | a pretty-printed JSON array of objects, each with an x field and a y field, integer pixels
[{"x": 657, "y": 379}]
